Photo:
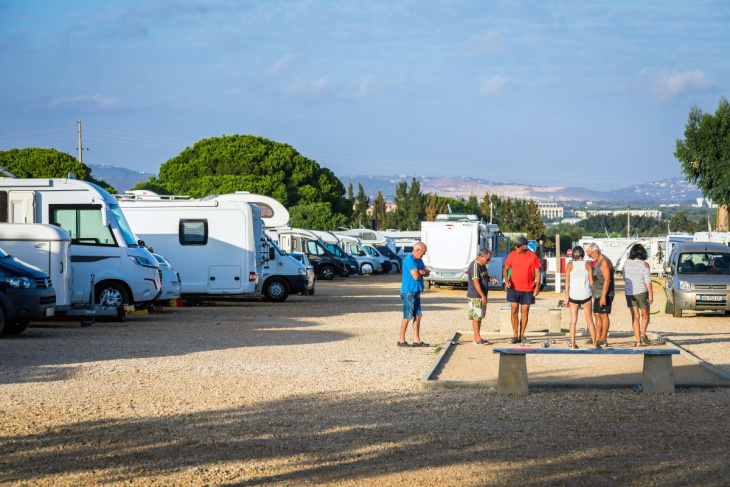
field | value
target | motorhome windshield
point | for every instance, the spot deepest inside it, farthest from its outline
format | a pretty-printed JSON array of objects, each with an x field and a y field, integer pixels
[
  {"x": 704, "y": 263},
  {"x": 124, "y": 228}
]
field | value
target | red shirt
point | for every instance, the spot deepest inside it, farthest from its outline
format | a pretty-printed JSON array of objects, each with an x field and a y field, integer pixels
[{"x": 522, "y": 276}]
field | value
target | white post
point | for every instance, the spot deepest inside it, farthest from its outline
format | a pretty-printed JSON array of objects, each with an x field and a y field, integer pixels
[{"x": 557, "y": 264}]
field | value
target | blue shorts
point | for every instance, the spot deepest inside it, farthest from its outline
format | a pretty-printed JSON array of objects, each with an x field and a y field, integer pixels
[
  {"x": 411, "y": 305},
  {"x": 521, "y": 297}
]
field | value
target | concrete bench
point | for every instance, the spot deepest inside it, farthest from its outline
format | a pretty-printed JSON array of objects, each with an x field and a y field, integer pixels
[
  {"x": 658, "y": 372},
  {"x": 556, "y": 314}
]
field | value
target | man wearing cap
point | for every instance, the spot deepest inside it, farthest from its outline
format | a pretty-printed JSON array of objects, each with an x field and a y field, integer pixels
[{"x": 522, "y": 278}]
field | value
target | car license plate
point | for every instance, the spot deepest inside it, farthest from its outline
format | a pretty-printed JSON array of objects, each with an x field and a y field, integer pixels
[
  {"x": 50, "y": 312},
  {"x": 711, "y": 298}
]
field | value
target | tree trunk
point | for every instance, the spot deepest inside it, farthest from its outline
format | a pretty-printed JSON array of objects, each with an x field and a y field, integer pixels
[{"x": 722, "y": 219}]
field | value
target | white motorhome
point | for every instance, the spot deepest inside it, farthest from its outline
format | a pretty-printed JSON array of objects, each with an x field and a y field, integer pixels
[
  {"x": 102, "y": 244},
  {"x": 210, "y": 243},
  {"x": 370, "y": 237},
  {"x": 613, "y": 248},
  {"x": 453, "y": 241},
  {"x": 233, "y": 257},
  {"x": 716, "y": 237},
  {"x": 326, "y": 264},
  {"x": 654, "y": 255},
  {"x": 352, "y": 246},
  {"x": 334, "y": 245}
]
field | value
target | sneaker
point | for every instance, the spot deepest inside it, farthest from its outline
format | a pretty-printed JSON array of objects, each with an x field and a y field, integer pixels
[
  {"x": 514, "y": 340},
  {"x": 645, "y": 340}
]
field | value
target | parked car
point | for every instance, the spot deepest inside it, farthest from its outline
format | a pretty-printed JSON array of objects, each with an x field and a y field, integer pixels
[
  {"x": 385, "y": 263},
  {"x": 698, "y": 278},
  {"x": 395, "y": 259},
  {"x": 26, "y": 294},
  {"x": 311, "y": 277},
  {"x": 171, "y": 288}
]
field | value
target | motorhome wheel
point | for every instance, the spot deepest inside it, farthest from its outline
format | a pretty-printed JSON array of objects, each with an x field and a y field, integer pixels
[
  {"x": 366, "y": 269},
  {"x": 276, "y": 290},
  {"x": 2, "y": 319},
  {"x": 327, "y": 273},
  {"x": 111, "y": 295}
]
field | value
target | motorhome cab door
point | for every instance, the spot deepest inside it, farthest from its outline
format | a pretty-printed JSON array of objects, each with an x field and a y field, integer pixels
[
  {"x": 94, "y": 249},
  {"x": 21, "y": 206}
]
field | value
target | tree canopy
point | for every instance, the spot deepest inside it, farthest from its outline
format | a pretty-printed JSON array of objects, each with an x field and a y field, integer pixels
[
  {"x": 705, "y": 152},
  {"x": 249, "y": 163},
  {"x": 34, "y": 162}
]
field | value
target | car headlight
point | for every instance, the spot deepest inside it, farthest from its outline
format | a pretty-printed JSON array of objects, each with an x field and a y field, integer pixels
[
  {"x": 141, "y": 260},
  {"x": 20, "y": 282},
  {"x": 684, "y": 285},
  {"x": 302, "y": 271}
]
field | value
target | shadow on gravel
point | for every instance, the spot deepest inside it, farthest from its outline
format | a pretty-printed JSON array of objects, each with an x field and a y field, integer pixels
[
  {"x": 475, "y": 437},
  {"x": 48, "y": 352}
]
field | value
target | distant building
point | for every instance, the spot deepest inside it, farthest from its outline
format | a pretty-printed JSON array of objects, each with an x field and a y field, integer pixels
[
  {"x": 649, "y": 213},
  {"x": 550, "y": 211}
]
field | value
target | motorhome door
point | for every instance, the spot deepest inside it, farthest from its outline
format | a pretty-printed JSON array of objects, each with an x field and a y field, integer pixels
[{"x": 22, "y": 207}]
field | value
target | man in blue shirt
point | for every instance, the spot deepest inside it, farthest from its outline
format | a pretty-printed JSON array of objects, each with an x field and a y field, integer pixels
[{"x": 410, "y": 293}]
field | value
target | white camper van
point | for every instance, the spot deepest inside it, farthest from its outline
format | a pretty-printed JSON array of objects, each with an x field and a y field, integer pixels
[
  {"x": 210, "y": 243},
  {"x": 453, "y": 241},
  {"x": 102, "y": 244}
]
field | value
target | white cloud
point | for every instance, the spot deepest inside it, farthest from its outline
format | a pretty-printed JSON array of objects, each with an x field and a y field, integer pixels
[
  {"x": 494, "y": 85},
  {"x": 280, "y": 65},
  {"x": 304, "y": 87},
  {"x": 97, "y": 101},
  {"x": 366, "y": 86},
  {"x": 484, "y": 42},
  {"x": 665, "y": 84}
]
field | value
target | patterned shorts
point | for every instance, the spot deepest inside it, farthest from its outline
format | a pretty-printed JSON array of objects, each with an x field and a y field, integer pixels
[{"x": 476, "y": 310}]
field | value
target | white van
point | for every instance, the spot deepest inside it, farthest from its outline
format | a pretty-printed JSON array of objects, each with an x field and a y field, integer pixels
[{"x": 102, "y": 244}]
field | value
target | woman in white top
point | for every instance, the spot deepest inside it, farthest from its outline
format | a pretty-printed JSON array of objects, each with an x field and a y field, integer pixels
[
  {"x": 639, "y": 294},
  {"x": 578, "y": 282}
]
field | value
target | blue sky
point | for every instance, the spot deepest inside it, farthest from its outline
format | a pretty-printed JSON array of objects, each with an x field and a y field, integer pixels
[{"x": 580, "y": 93}]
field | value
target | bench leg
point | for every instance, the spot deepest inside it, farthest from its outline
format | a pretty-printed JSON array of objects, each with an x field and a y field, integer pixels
[
  {"x": 506, "y": 323},
  {"x": 658, "y": 374},
  {"x": 512, "y": 374},
  {"x": 555, "y": 317}
]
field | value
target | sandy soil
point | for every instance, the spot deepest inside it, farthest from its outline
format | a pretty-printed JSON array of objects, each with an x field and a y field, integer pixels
[{"x": 314, "y": 391}]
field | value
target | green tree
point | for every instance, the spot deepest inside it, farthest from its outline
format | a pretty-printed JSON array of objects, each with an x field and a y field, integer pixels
[
  {"x": 249, "y": 163},
  {"x": 433, "y": 205},
  {"x": 360, "y": 217},
  {"x": 705, "y": 155},
  {"x": 397, "y": 218},
  {"x": 316, "y": 216},
  {"x": 680, "y": 223},
  {"x": 35, "y": 162},
  {"x": 534, "y": 228},
  {"x": 414, "y": 209},
  {"x": 472, "y": 206},
  {"x": 380, "y": 209}
]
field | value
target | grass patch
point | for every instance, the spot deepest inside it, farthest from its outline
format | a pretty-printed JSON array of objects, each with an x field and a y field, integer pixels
[
  {"x": 438, "y": 349},
  {"x": 348, "y": 361}
]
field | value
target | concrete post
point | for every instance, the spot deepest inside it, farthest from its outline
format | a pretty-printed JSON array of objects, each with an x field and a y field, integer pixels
[
  {"x": 658, "y": 374},
  {"x": 555, "y": 320},
  {"x": 512, "y": 374},
  {"x": 506, "y": 322}
]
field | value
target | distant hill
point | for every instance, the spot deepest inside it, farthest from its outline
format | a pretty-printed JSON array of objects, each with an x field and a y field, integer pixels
[
  {"x": 666, "y": 191},
  {"x": 119, "y": 178}
]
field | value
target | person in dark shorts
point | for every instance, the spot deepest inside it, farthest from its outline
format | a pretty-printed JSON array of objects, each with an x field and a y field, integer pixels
[
  {"x": 410, "y": 293},
  {"x": 578, "y": 293},
  {"x": 476, "y": 293},
  {"x": 603, "y": 292},
  {"x": 522, "y": 279},
  {"x": 639, "y": 294}
]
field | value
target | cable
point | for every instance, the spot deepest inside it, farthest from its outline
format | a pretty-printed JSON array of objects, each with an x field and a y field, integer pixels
[{"x": 665, "y": 296}]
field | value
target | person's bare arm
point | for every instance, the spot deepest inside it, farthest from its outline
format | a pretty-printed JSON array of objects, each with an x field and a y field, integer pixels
[
  {"x": 606, "y": 281},
  {"x": 568, "y": 269}
]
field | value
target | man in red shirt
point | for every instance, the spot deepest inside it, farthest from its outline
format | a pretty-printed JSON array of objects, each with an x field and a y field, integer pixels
[{"x": 522, "y": 279}]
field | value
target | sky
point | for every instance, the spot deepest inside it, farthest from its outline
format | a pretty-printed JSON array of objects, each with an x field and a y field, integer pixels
[{"x": 578, "y": 93}]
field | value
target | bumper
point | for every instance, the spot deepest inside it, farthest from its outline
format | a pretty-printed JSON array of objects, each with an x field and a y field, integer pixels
[
  {"x": 297, "y": 284},
  {"x": 448, "y": 276},
  {"x": 698, "y": 300},
  {"x": 29, "y": 304}
]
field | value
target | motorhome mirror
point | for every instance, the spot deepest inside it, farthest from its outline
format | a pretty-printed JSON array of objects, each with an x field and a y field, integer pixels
[
  {"x": 272, "y": 253},
  {"x": 668, "y": 269},
  {"x": 104, "y": 217},
  {"x": 141, "y": 244}
]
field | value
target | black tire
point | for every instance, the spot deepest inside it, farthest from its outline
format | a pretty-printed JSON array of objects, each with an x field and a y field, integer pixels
[
  {"x": 276, "y": 290},
  {"x": 2, "y": 319},
  {"x": 111, "y": 295},
  {"x": 16, "y": 328},
  {"x": 669, "y": 307},
  {"x": 327, "y": 273},
  {"x": 311, "y": 291}
]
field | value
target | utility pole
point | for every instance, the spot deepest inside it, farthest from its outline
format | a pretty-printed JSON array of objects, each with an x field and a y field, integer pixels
[
  {"x": 628, "y": 223},
  {"x": 491, "y": 208},
  {"x": 80, "y": 147}
]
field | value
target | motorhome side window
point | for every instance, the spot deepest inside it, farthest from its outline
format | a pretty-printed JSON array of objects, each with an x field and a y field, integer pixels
[
  {"x": 83, "y": 224},
  {"x": 314, "y": 248},
  {"x": 193, "y": 232}
]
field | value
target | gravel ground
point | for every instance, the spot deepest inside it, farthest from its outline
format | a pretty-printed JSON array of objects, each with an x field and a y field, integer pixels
[{"x": 315, "y": 391}]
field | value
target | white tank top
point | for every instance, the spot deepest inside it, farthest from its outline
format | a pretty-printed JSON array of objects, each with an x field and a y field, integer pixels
[{"x": 580, "y": 287}]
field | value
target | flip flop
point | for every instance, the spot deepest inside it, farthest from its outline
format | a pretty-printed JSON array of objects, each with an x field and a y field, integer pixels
[
  {"x": 420, "y": 344},
  {"x": 403, "y": 344},
  {"x": 481, "y": 342}
]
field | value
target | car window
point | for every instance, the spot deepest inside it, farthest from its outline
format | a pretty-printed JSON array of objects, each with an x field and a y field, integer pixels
[{"x": 704, "y": 263}]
